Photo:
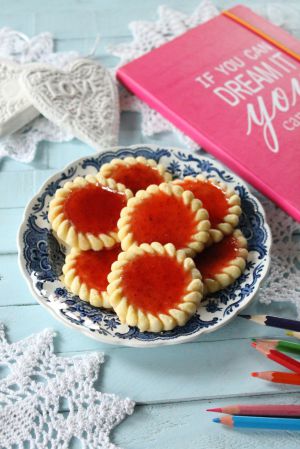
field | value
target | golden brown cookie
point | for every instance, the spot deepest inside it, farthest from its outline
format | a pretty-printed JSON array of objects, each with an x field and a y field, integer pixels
[
  {"x": 222, "y": 263},
  {"x": 222, "y": 203},
  {"x": 154, "y": 287},
  {"x": 164, "y": 214},
  {"x": 85, "y": 274},
  {"x": 135, "y": 173},
  {"x": 84, "y": 212}
]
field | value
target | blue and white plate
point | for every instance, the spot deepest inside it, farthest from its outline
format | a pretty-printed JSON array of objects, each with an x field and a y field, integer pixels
[{"x": 41, "y": 257}]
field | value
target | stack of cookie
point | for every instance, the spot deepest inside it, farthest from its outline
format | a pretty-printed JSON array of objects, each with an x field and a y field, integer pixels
[{"x": 145, "y": 245}]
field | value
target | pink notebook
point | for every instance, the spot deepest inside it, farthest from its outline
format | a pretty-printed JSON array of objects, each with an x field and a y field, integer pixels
[{"x": 236, "y": 94}]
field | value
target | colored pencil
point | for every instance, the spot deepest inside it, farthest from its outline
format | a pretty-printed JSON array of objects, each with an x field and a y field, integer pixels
[
  {"x": 293, "y": 334},
  {"x": 274, "y": 321},
  {"x": 279, "y": 357},
  {"x": 278, "y": 377},
  {"x": 260, "y": 410},
  {"x": 259, "y": 422},
  {"x": 280, "y": 345}
]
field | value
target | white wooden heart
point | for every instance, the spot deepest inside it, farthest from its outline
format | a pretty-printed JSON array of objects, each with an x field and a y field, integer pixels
[
  {"x": 16, "y": 109},
  {"x": 82, "y": 99}
]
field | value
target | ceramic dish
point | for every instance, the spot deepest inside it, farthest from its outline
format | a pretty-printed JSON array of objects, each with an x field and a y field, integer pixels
[{"x": 41, "y": 257}]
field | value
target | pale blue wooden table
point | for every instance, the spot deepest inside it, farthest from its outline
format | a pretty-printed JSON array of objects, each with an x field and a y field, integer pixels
[{"x": 173, "y": 385}]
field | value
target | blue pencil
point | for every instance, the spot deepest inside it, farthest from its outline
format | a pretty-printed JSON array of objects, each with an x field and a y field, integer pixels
[{"x": 254, "y": 422}]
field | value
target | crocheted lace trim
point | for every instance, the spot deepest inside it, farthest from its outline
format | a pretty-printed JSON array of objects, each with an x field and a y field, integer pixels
[
  {"x": 48, "y": 401},
  {"x": 146, "y": 37}
]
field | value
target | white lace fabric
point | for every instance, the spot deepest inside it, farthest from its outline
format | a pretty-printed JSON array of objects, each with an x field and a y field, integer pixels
[
  {"x": 48, "y": 401},
  {"x": 18, "y": 47},
  {"x": 283, "y": 281},
  {"x": 146, "y": 37}
]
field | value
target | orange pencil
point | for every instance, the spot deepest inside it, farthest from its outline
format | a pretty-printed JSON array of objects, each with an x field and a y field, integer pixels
[{"x": 278, "y": 377}]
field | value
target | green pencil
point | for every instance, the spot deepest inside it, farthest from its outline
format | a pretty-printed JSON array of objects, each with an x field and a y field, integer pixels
[{"x": 280, "y": 345}]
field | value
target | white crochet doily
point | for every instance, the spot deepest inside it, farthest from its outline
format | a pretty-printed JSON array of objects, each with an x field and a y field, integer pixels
[
  {"x": 283, "y": 283},
  {"x": 49, "y": 402},
  {"x": 146, "y": 37},
  {"x": 18, "y": 47}
]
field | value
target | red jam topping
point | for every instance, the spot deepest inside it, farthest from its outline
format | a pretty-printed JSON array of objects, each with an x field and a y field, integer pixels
[
  {"x": 216, "y": 257},
  {"x": 94, "y": 208},
  {"x": 93, "y": 267},
  {"x": 165, "y": 219},
  {"x": 136, "y": 177},
  {"x": 154, "y": 283},
  {"x": 212, "y": 197}
]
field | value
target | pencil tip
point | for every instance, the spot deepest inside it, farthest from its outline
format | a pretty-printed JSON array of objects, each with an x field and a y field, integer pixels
[
  {"x": 254, "y": 374},
  {"x": 245, "y": 316},
  {"x": 253, "y": 339},
  {"x": 217, "y": 420},
  {"x": 289, "y": 333},
  {"x": 216, "y": 410}
]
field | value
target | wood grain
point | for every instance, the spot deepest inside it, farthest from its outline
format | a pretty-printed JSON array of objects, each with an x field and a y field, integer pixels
[{"x": 175, "y": 384}]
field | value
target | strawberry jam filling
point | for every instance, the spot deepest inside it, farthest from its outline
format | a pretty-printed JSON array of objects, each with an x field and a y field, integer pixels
[
  {"x": 136, "y": 177},
  {"x": 93, "y": 267},
  {"x": 154, "y": 283},
  {"x": 212, "y": 197},
  {"x": 216, "y": 257},
  {"x": 165, "y": 219},
  {"x": 94, "y": 208}
]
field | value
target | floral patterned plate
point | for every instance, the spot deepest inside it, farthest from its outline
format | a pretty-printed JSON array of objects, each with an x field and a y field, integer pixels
[{"x": 41, "y": 257}]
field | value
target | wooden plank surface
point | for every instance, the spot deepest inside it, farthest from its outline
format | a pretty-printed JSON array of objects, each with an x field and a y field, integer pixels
[
  {"x": 172, "y": 385},
  {"x": 188, "y": 425},
  {"x": 166, "y": 374}
]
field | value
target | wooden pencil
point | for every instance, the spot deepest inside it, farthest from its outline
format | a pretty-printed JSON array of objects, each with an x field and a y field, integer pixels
[
  {"x": 280, "y": 345},
  {"x": 293, "y": 334},
  {"x": 261, "y": 409},
  {"x": 278, "y": 377},
  {"x": 274, "y": 321},
  {"x": 279, "y": 357},
  {"x": 259, "y": 422}
]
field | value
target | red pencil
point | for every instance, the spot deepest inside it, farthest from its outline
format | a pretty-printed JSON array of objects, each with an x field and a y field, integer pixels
[
  {"x": 260, "y": 410},
  {"x": 278, "y": 377},
  {"x": 278, "y": 357}
]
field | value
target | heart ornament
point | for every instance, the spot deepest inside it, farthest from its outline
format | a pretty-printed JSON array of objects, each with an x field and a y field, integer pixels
[
  {"x": 82, "y": 99},
  {"x": 15, "y": 108}
]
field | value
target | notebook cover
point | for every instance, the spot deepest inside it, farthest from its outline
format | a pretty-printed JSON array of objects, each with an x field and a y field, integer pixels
[{"x": 235, "y": 94}]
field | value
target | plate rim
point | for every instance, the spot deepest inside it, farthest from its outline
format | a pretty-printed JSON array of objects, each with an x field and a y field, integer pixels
[{"x": 108, "y": 339}]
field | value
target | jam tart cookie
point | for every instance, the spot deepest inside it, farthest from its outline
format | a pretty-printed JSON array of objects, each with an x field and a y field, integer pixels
[
  {"x": 164, "y": 214},
  {"x": 85, "y": 211},
  {"x": 154, "y": 287},
  {"x": 222, "y": 263},
  {"x": 85, "y": 274},
  {"x": 222, "y": 203},
  {"x": 135, "y": 173}
]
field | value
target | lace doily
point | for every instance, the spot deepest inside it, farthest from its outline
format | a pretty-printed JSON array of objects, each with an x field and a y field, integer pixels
[
  {"x": 18, "y": 47},
  {"x": 283, "y": 281},
  {"x": 146, "y": 37},
  {"x": 48, "y": 401}
]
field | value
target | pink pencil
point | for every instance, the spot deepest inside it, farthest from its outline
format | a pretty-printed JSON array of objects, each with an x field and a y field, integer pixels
[{"x": 259, "y": 410}]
